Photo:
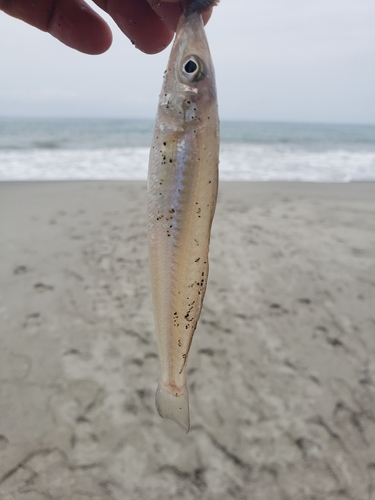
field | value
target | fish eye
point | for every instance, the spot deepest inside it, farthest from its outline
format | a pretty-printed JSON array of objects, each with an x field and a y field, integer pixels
[
  {"x": 190, "y": 66},
  {"x": 193, "y": 69}
]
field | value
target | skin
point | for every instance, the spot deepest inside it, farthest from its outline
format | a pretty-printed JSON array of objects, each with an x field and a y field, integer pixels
[{"x": 149, "y": 24}]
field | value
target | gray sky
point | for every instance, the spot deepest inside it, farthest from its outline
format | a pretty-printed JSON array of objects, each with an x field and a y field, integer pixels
[{"x": 279, "y": 60}]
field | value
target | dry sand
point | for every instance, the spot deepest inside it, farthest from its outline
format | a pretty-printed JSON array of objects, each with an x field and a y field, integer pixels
[{"x": 281, "y": 371}]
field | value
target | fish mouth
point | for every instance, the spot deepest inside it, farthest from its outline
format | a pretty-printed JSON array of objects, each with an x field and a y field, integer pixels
[{"x": 199, "y": 6}]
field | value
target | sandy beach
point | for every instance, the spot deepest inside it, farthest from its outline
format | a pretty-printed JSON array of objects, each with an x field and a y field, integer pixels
[{"x": 281, "y": 372}]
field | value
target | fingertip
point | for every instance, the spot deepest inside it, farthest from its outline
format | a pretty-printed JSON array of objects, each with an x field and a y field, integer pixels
[
  {"x": 102, "y": 42},
  {"x": 155, "y": 44},
  {"x": 144, "y": 28},
  {"x": 163, "y": 27}
]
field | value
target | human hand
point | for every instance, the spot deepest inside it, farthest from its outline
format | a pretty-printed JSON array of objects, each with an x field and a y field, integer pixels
[{"x": 149, "y": 24}]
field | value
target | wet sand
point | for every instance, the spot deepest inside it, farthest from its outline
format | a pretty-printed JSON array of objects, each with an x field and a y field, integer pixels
[{"x": 281, "y": 372}]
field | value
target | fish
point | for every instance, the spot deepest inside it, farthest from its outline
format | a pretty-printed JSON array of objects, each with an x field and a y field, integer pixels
[{"x": 182, "y": 194}]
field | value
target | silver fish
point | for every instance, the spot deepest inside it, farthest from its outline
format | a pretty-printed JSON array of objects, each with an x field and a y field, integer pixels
[{"x": 182, "y": 193}]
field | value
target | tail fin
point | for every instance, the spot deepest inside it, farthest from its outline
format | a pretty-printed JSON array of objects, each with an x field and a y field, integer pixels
[{"x": 174, "y": 407}]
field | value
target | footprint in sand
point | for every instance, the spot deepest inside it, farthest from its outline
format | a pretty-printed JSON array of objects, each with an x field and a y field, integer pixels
[
  {"x": 20, "y": 270},
  {"x": 42, "y": 287},
  {"x": 3, "y": 442}
]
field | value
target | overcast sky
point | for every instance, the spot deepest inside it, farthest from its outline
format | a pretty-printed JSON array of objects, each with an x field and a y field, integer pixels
[{"x": 278, "y": 60}]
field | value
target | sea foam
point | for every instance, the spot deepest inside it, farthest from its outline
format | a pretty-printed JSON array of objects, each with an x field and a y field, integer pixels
[{"x": 119, "y": 149}]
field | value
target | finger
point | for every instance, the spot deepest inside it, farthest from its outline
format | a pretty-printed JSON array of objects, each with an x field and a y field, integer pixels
[
  {"x": 170, "y": 11},
  {"x": 72, "y": 22},
  {"x": 140, "y": 23}
]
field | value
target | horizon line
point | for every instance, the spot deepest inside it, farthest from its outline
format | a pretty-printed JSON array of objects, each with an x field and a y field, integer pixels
[{"x": 226, "y": 120}]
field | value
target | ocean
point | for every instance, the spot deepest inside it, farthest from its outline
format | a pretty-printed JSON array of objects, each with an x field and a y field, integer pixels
[{"x": 116, "y": 149}]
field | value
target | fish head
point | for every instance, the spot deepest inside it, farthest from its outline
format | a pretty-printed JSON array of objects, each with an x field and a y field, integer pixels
[{"x": 189, "y": 88}]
